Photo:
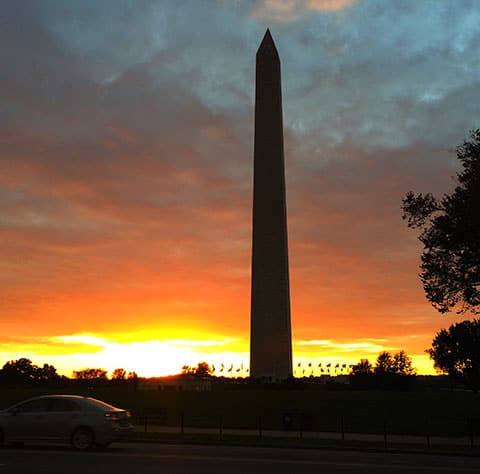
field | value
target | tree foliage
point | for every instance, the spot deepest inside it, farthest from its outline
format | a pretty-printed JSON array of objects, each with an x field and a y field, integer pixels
[
  {"x": 384, "y": 364},
  {"x": 450, "y": 262},
  {"x": 90, "y": 374},
  {"x": 402, "y": 364},
  {"x": 362, "y": 368},
  {"x": 132, "y": 376},
  {"x": 24, "y": 372},
  {"x": 119, "y": 374},
  {"x": 201, "y": 370},
  {"x": 390, "y": 371},
  {"x": 398, "y": 364},
  {"x": 456, "y": 352}
]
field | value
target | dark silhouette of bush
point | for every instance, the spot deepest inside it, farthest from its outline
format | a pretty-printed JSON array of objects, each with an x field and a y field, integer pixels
[{"x": 456, "y": 352}]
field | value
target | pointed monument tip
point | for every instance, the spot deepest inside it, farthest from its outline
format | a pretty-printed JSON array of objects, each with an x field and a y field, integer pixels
[
  {"x": 267, "y": 38},
  {"x": 267, "y": 46}
]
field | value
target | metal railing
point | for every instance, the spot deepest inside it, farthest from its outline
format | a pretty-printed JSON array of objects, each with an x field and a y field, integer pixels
[{"x": 291, "y": 424}]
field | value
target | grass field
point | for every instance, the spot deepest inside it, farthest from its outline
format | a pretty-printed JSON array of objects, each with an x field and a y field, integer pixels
[{"x": 434, "y": 412}]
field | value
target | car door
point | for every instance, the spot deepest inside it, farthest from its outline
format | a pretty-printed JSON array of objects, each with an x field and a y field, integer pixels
[
  {"x": 62, "y": 416},
  {"x": 27, "y": 420}
]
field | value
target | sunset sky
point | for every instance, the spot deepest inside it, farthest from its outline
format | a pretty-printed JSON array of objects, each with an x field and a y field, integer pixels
[{"x": 126, "y": 148}]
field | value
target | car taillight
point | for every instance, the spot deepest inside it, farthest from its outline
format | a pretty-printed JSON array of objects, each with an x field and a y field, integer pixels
[{"x": 112, "y": 416}]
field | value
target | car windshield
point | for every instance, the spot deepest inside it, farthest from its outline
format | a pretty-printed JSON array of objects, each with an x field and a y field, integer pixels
[{"x": 99, "y": 405}]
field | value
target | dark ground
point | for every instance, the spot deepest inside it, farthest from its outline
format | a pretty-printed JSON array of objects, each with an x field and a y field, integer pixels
[
  {"x": 131, "y": 458},
  {"x": 437, "y": 412}
]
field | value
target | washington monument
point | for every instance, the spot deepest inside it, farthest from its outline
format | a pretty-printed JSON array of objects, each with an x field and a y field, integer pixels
[{"x": 270, "y": 329}]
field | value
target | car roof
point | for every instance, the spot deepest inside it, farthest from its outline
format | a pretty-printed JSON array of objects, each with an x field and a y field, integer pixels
[
  {"x": 89, "y": 400},
  {"x": 60, "y": 395}
]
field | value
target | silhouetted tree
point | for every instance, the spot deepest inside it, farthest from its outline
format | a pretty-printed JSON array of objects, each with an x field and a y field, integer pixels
[
  {"x": 119, "y": 374},
  {"x": 456, "y": 352},
  {"x": 384, "y": 364},
  {"x": 201, "y": 370},
  {"x": 398, "y": 364},
  {"x": 20, "y": 371},
  {"x": 450, "y": 268},
  {"x": 402, "y": 364},
  {"x": 23, "y": 372},
  {"x": 362, "y": 376},
  {"x": 47, "y": 375},
  {"x": 90, "y": 374},
  {"x": 390, "y": 371},
  {"x": 362, "y": 368},
  {"x": 132, "y": 377}
]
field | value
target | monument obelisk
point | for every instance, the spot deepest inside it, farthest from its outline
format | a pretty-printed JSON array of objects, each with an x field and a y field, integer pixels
[{"x": 270, "y": 328}]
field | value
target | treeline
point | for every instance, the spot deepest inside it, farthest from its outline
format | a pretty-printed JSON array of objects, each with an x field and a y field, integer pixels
[
  {"x": 390, "y": 371},
  {"x": 22, "y": 372}
]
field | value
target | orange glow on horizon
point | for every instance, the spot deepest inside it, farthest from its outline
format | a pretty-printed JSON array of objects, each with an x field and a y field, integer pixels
[{"x": 228, "y": 356}]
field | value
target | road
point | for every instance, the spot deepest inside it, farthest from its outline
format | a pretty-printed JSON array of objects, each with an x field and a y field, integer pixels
[{"x": 140, "y": 458}]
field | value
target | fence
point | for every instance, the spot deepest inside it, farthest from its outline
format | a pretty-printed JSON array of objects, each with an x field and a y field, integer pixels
[{"x": 302, "y": 424}]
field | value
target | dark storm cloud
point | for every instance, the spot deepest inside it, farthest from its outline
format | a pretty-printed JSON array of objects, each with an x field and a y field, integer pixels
[{"x": 126, "y": 143}]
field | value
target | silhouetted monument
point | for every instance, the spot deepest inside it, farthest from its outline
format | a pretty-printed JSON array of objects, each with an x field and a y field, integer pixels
[{"x": 270, "y": 336}]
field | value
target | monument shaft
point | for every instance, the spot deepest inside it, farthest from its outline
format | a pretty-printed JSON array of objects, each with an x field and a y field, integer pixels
[{"x": 270, "y": 338}]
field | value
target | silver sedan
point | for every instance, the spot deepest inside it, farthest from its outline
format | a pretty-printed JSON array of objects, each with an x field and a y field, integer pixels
[{"x": 82, "y": 421}]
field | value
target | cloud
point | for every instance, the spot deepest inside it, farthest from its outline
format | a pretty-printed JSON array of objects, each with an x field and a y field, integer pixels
[
  {"x": 285, "y": 11},
  {"x": 203, "y": 343},
  {"x": 126, "y": 153},
  {"x": 86, "y": 339},
  {"x": 356, "y": 345},
  {"x": 329, "y": 5}
]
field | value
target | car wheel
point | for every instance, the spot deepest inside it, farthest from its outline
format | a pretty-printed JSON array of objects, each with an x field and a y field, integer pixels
[{"x": 83, "y": 439}]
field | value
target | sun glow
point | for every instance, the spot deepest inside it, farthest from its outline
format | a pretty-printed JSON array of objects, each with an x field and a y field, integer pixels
[
  {"x": 150, "y": 358},
  {"x": 227, "y": 356}
]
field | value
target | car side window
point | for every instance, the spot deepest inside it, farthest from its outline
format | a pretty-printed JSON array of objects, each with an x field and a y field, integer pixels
[
  {"x": 61, "y": 404},
  {"x": 31, "y": 406}
]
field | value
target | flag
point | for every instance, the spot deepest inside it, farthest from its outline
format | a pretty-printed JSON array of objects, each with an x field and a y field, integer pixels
[
  {"x": 320, "y": 364},
  {"x": 309, "y": 364},
  {"x": 337, "y": 366},
  {"x": 329, "y": 365},
  {"x": 299, "y": 364}
]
